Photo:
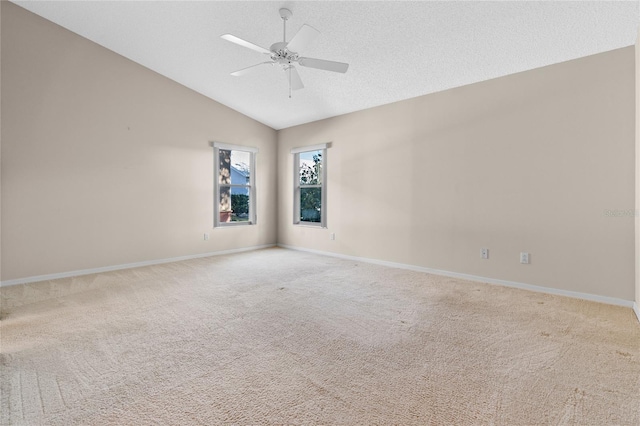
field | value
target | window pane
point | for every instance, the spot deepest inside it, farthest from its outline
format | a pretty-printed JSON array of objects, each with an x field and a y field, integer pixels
[
  {"x": 310, "y": 204},
  {"x": 234, "y": 186},
  {"x": 311, "y": 167},
  {"x": 234, "y": 204},
  {"x": 240, "y": 167},
  {"x": 235, "y": 167},
  {"x": 225, "y": 168}
]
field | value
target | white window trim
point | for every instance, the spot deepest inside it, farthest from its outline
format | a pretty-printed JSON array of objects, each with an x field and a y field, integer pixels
[
  {"x": 217, "y": 146},
  {"x": 309, "y": 148},
  {"x": 296, "y": 185},
  {"x": 221, "y": 145}
]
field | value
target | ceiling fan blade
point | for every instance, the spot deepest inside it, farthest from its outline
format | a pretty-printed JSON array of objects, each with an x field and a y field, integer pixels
[
  {"x": 245, "y": 43},
  {"x": 305, "y": 35},
  {"x": 321, "y": 64},
  {"x": 296, "y": 81},
  {"x": 247, "y": 70}
]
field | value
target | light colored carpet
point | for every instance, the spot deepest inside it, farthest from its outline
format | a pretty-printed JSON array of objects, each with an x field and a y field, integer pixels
[{"x": 284, "y": 337}]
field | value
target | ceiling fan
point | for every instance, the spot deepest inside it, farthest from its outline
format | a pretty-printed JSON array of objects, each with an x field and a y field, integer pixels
[{"x": 286, "y": 54}]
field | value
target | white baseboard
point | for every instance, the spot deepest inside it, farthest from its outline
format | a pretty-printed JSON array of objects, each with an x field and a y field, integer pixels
[
  {"x": 531, "y": 287},
  {"x": 539, "y": 289},
  {"x": 127, "y": 266}
]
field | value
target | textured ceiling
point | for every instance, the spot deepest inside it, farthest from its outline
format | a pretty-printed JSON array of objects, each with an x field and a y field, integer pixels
[{"x": 396, "y": 50}]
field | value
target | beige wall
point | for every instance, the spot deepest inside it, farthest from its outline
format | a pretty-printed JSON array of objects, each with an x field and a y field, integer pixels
[
  {"x": 637, "y": 254},
  {"x": 528, "y": 162},
  {"x": 105, "y": 162},
  {"x": 0, "y": 142}
]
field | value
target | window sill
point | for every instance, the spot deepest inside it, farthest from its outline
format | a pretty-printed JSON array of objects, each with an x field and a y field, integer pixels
[
  {"x": 233, "y": 225},
  {"x": 309, "y": 225}
]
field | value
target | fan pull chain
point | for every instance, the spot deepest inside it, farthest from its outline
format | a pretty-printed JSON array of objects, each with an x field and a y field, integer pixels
[{"x": 289, "y": 81}]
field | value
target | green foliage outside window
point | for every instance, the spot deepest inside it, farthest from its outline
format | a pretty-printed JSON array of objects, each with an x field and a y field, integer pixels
[{"x": 240, "y": 204}]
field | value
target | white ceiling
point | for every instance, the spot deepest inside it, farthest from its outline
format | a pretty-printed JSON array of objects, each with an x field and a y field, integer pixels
[{"x": 396, "y": 49}]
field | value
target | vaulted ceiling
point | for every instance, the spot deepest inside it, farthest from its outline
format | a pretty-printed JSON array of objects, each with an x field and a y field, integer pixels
[{"x": 396, "y": 49}]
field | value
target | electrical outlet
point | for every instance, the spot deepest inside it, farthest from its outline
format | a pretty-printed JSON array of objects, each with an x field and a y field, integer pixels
[
  {"x": 332, "y": 236},
  {"x": 484, "y": 253},
  {"x": 524, "y": 258},
  {"x": 206, "y": 237}
]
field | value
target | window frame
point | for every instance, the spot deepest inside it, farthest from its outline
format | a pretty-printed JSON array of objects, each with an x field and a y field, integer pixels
[
  {"x": 253, "y": 153},
  {"x": 323, "y": 185}
]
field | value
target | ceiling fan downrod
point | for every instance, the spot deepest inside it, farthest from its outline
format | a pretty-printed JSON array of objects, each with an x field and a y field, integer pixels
[{"x": 285, "y": 14}]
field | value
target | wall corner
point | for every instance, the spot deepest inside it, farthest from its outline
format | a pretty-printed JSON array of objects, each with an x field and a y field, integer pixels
[{"x": 637, "y": 178}]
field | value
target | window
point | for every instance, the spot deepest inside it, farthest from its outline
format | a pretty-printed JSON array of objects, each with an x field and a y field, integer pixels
[
  {"x": 310, "y": 193},
  {"x": 235, "y": 191}
]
